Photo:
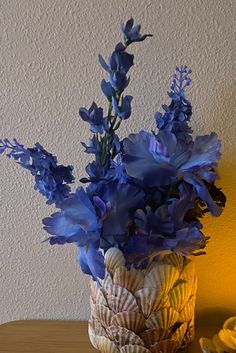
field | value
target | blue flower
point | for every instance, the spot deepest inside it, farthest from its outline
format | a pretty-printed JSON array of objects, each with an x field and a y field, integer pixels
[
  {"x": 143, "y": 163},
  {"x": 77, "y": 221},
  {"x": 124, "y": 200},
  {"x": 165, "y": 229},
  {"x": 201, "y": 190},
  {"x": 91, "y": 261},
  {"x": 103, "y": 207},
  {"x": 177, "y": 115},
  {"x": 120, "y": 60},
  {"x": 205, "y": 151},
  {"x": 117, "y": 171},
  {"x": 159, "y": 150},
  {"x": 94, "y": 116},
  {"x": 51, "y": 180},
  {"x": 168, "y": 217},
  {"x": 157, "y": 222},
  {"x": 92, "y": 147},
  {"x": 96, "y": 172},
  {"x": 145, "y": 194},
  {"x": 107, "y": 89},
  {"x": 140, "y": 250},
  {"x": 165, "y": 162},
  {"x": 124, "y": 109},
  {"x": 181, "y": 80},
  {"x": 98, "y": 175},
  {"x": 132, "y": 33},
  {"x": 186, "y": 241},
  {"x": 118, "y": 66}
]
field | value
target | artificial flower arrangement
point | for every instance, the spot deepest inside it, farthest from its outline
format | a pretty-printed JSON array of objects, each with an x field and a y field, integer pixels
[{"x": 141, "y": 201}]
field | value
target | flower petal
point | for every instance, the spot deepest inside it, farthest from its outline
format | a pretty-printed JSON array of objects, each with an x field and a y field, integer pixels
[
  {"x": 203, "y": 193},
  {"x": 91, "y": 261}
]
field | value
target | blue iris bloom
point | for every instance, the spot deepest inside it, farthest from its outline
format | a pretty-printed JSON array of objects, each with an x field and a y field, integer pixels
[
  {"x": 140, "y": 250},
  {"x": 186, "y": 241},
  {"x": 143, "y": 163},
  {"x": 103, "y": 207},
  {"x": 201, "y": 190},
  {"x": 51, "y": 180},
  {"x": 205, "y": 151},
  {"x": 164, "y": 162},
  {"x": 165, "y": 230},
  {"x": 157, "y": 222},
  {"x": 205, "y": 154},
  {"x": 124, "y": 199},
  {"x": 77, "y": 221},
  {"x": 132, "y": 33},
  {"x": 94, "y": 116}
]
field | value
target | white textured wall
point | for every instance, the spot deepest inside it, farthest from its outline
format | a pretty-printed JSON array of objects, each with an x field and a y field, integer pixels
[{"x": 48, "y": 70}]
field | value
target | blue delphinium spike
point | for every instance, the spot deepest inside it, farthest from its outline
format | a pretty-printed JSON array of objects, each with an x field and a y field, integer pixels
[
  {"x": 181, "y": 80},
  {"x": 51, "y": 180},
  {"x": 177, "y": 115}
]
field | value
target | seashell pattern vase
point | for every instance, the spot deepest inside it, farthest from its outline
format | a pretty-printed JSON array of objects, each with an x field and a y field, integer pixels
[{"x": 144, "y": 311}]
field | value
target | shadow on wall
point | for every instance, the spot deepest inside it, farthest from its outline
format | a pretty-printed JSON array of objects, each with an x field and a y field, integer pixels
[{"x": 213, "y": 317}]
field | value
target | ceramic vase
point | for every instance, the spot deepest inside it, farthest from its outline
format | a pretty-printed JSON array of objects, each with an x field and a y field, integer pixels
[{"x": 144, "y": 311}]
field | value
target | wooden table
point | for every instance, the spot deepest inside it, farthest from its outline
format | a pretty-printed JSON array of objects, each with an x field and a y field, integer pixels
[{"x": 53, "y": 337}]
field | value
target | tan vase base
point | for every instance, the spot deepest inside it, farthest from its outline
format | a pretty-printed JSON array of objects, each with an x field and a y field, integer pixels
[{"x": 144, "y": 311}]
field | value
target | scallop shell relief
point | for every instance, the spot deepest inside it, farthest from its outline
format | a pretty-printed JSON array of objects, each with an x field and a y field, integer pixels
[{"x": 144, "y": 311}]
